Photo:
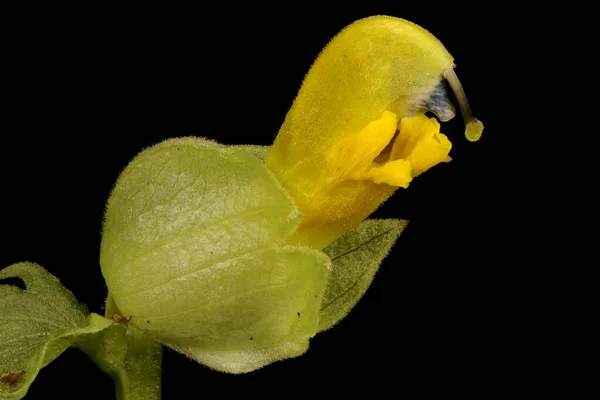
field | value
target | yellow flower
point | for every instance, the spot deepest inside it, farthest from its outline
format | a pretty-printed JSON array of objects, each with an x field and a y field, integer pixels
[{"x": 356, "y": 131}]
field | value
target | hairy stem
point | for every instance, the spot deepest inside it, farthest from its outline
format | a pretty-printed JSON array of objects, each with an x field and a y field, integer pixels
[{"x": 131, "y": 357}]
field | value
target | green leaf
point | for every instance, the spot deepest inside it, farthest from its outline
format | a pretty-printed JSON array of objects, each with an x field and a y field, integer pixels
[
  {"x": 36, "y": 325},
  {"x": 131, "y": 357},
  {"x": 192, "y": 254},
  {"x": 355, "y": 259}
]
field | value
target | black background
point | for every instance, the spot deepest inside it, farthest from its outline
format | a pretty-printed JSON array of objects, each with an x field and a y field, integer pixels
[{"x": 88, "y": 89}]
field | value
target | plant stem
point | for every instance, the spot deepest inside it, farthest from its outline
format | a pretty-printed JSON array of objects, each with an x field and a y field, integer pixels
[{"x": 131, "y": 357}]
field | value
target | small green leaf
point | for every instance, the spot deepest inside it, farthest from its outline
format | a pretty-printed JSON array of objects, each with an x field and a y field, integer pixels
[
  {"x": 192, "y": 254},
  {"x": 355, "y": 258},
  {"x": 36, "y": 325},
  {"x": 131, "y": 357}
]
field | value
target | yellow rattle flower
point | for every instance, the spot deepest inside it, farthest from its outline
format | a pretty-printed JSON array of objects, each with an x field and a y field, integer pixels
[{"x": 357, "y": 130}]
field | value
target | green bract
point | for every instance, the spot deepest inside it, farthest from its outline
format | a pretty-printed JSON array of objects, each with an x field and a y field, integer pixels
[
  {"x": 355, "y": 258},
  {"x": 193, "y": 251},
  {"x": 36, "y": 325}
]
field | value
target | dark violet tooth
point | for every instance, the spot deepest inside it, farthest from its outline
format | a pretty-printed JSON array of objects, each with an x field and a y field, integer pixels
[{"x": 439, "y": 103}]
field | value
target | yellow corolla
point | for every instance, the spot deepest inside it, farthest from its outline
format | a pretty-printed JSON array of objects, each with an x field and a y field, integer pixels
[{"x": 357, "y": 130}]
